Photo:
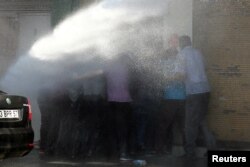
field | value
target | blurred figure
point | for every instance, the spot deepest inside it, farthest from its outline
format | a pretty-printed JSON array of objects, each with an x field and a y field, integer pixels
[
  {"x": 92, "y": 110},
  {"x": 71, "y": 120},
  {"x": 62, "y": 119},
  {"x": 173, "y": 98},
  {"x": 119, "y": 99},
  {"x": 147, "y": 94},
  {"x": 52, "y": 103},
  {"x": 197, "y": 89},
  {"x": 43, "y": 99},
  {"x": 87, "y": 93}
]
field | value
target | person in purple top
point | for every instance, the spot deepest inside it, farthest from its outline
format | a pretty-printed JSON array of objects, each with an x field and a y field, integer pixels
[
  {"x": 119, "y": 113},
  {"x": 119, "y": 99},
  {"x": 117, "y": 82}
]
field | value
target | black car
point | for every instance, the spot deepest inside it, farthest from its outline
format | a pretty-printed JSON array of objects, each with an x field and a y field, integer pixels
[{"x": 16, "y": 133}]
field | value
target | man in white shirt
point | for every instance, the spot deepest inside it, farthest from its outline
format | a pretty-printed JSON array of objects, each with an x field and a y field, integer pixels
[{"x": 197, "y": 90}]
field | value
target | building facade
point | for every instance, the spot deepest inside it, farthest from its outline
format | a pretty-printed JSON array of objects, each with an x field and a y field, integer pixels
[
  {"x": 221, "y": 29},
  {"x": 21, "y": 23}
]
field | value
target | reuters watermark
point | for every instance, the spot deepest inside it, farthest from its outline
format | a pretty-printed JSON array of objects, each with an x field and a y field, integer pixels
[{"x": 229, "y": 158}]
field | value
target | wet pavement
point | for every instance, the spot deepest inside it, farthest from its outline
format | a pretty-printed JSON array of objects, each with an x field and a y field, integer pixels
[{"x": 34, "y": 160}]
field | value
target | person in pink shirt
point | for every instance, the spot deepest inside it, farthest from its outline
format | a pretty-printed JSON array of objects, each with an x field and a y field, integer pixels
[
  {"x": 119, "y": 100},
  {"x": 117, "y": 82}
]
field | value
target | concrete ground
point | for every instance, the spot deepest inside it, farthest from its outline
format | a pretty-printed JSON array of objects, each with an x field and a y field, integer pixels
[{"x": 34, "y": 160}]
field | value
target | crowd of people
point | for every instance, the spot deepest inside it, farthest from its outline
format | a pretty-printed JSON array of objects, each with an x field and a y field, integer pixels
[{"x": 128, "y": 107}]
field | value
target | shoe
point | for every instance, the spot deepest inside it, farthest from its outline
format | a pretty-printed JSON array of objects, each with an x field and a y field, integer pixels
[{"x": 124, "y": 157}]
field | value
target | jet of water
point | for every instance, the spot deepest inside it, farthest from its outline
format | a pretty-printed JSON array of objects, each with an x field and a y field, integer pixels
[{"x": 88, "y": 39}]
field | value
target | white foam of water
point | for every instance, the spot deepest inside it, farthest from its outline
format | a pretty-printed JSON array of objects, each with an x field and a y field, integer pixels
[{"x": 99, "y": 32}]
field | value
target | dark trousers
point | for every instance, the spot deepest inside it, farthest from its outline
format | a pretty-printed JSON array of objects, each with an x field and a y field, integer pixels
[
  {"x": 45, "y": 126},
  {"x": 173, "y": 112},
  {"x": 143, "y": 118},
  {"x": 146, "y": 113},
  {"x": 67, "y": 131},
  {"x": 91, "y": 122},
  {"x": 119, "y": 117},
  {"x": 195, "y": 122},
  {"x": 55, "y": 116}
]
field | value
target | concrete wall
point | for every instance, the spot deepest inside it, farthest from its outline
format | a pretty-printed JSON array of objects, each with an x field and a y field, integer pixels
[
  {"x": 32, "y": 27},
  {"x": 9, "y": 28}
]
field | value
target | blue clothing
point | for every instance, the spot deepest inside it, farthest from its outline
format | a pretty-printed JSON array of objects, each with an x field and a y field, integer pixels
[
  {"x": 175, "y": 90},
  {"x": 174, "y": 66}
]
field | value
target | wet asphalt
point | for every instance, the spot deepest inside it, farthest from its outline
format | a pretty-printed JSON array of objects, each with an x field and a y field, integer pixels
[{"x": 35, "y": 160}]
